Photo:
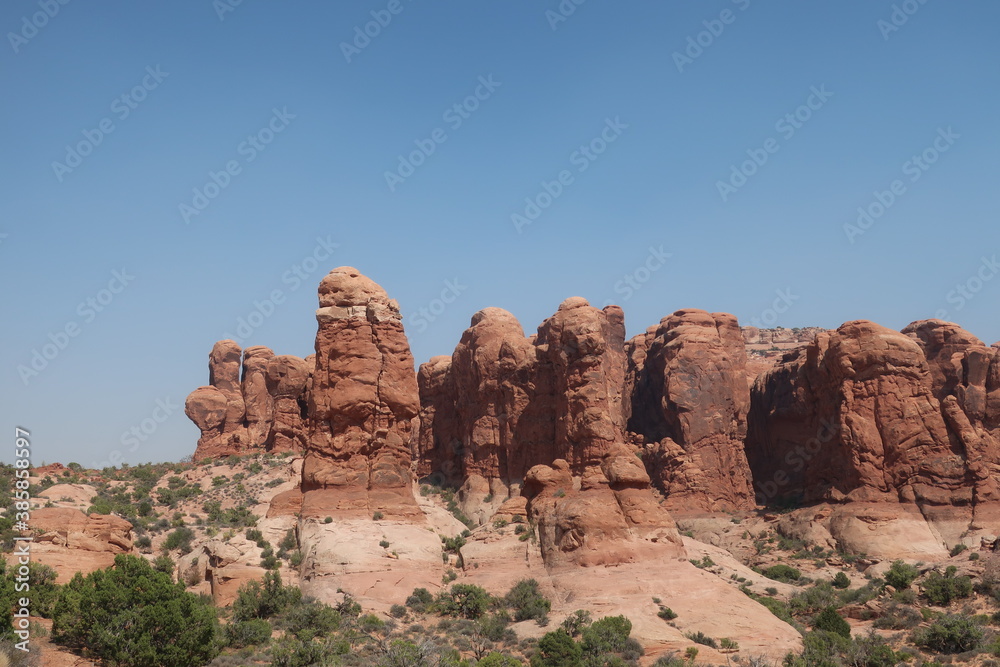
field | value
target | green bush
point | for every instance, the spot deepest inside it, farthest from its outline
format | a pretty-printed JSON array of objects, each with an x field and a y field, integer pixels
[
  {"x": 830, "y": 621},
  {"x": 464, "y": 600},
  {"x": 264, "y": 599},
  {"x": 289, "y": 542},
  {"x": 820, "y": 649},
  {"x": 42, "y": 594},
  {"x": 957, "y": 549},
  {"x": 667, "y": 614},
  {"x": 901, "y": 575},
  {"x": 941, "y": 590},
  {"x": 841, "y": 580},
  {"x": 419, "y": 600},
  {"x": 181, "y": 539},
  {"x": 898, "y": 617},
  {"x": 606, "y": 635},
  {"x": 495, "y": 659},
  {"x": 254, "y": 632},
  {"x": 557, "y": 649},
  {"x": 782, "y": 572},
  {"x": 527, "y": 602},
  {"x": 701, "y": 638},
  {"x": 950, "y": 634},
  {"x": 164, "y": 564},
  {"x": 133, "y": 616},
  {"x": 575, "y": 623},
  {"x": 814, "y": 599},
  {"x": 307, "y": 619},
  {"x": 290, "y": 652},
  {"x": 494, "y": 627}
]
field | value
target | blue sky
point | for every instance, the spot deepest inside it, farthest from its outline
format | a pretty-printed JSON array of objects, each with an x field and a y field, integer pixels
[{"x": 628, "y": 125}]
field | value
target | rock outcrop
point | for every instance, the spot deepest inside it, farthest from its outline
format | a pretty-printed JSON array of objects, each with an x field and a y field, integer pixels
[
  {"x": 70, "y": 541},
  {"x": 542, "y": 417},
  {"x": 688, "y": 403},
  {"x": 853, "y": 417},
  {"x": 895, "y": 425},
  {"x": 242, "y": 410},
  {"x": 287, "y": 378},
  {"x": 362, "y": 404}
]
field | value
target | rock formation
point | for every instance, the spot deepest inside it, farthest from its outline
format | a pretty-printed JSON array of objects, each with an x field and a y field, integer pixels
[
  {"x": 688, "y": 402},
  {"x": 70, "y": 541},
  {"x": 854, "y": 417},
  {"x": 287, "y": 378},
  {"x": 362, "y": 404},
  {"x": 868, "y": 426},
  {"x": 240, "y": 412},
  {"x": 544, "y": 413},
  {"x": 896, "y": 425}
]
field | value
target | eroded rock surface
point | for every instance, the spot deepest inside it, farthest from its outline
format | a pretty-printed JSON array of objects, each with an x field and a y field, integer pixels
[
  {"x": 242, "y": 410},
  {"x": 689, "y": 402},
  {"x": 362, "y": 404}
]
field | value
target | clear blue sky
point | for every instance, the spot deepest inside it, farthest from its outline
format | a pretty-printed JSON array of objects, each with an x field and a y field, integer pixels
[{"x": 676, "y": 128}]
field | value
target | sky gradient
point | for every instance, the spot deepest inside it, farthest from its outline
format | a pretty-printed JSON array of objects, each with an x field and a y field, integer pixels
[{"x": 171, "y": 169}]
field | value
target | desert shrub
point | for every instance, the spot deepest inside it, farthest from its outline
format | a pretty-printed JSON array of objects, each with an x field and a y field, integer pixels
[
  {"x": 606, "y": 635},
  {"x": 782, "y": 572},
  {"x": 557, "y": 649},
  {"x": 452, "y": 544},
  {"x": 130, "y": 615},
  {"x": 253, "y": 632},
  {"x": 526, "y": 601},
  {"x": 957, "y": 549},
  {"x": 307, "y": 619},
  {"x": 494, "y": 627},
  {"x": 348, "y": 606},
  {"x": 950, "y": 634},
  {"x": 727, "y": 644},
  {"x": 465, "y": 601},
  {"x": 288, "y": 542},
  {"x": 841, "y": 580},
  {"x": 179, "y": 538},
  {"x": 898, "y": 617},
  {"x": 265, "y": 598},
  {"x": 290, "y": 652},
  {"x": 701, "y": 638},
  {"x": 42, "y": 594},
  {"x": 814, "y": 599},
  {"x": 576, "y": 622},
  {"x": 419, "y": 600},
  {"x": 872, "y": 650},
  {"x": 234, "y": 517},
  {"x": 667, "y": 614},
  {"x": 819, "y": 649},
  {"x": 830, "y": 621},
  {"x": 370, "y": 623},
  {"x": 901, "y": 575},
  {"x": 495, "y": 659},
  {"x": 397, "y": 611},
  {"x": 941, "y": 590},
  {"x": 164, "y": 564}
]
